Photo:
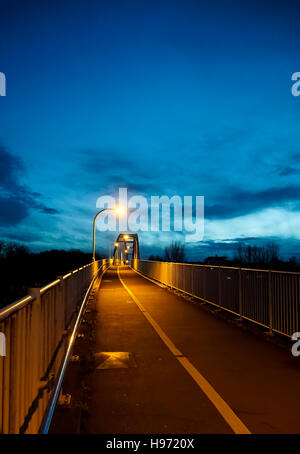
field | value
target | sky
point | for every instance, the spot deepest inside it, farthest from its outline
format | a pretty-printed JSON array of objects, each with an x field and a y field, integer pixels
[{"x": 161, "y": 97}]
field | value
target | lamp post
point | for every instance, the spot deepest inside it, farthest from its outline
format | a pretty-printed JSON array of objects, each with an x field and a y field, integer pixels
[
  {"x": 116, "y": 246},
  {"x": 125, "y": 237},
  {"x": 118, "y": 210}
]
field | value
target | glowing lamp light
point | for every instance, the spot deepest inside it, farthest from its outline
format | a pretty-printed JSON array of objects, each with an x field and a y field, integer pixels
[{"x": 120, "y": 210}]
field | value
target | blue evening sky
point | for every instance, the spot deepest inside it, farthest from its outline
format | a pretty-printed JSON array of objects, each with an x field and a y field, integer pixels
[{"x": 162, "y": 97}]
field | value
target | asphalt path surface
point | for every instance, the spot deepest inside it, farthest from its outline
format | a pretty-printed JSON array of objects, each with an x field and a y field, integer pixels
[{"x": 165, "y": 365}]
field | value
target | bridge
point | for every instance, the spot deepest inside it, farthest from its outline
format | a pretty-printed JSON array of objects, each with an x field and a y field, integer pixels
[{"x": 124, "y": 345}]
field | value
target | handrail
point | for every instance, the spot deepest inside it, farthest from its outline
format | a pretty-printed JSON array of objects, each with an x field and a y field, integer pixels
[
  {"x": 8, "y": 310},
  {"x": 37, "y": 329},
  {"x": 223, "y": 267},
  {"x": 49, "y": 413},
  {"x": 269, "y": 298},
  {"x": 48, "y": 286},
  {"x": 18, "y": 304}
]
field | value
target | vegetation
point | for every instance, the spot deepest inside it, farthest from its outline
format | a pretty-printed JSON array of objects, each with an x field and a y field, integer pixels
[
  {"x": 175, "y": 252},
  {"x": 263, "y": 257},
  {"x": 21, "y": 269},
  {"x": 258, "y": 254},
  {"x": 156, "y": 258}
]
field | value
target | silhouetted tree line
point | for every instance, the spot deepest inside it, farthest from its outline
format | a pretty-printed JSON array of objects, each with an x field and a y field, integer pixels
[
  {"x": 175, "y": 252},
  {"x": 258, "y": 254},
  {"x": 21, "y": 269},
  {"x": 156, "y": 258},
  {"x": 264, "y": 257},
  {"x": 261, "y": 257}
]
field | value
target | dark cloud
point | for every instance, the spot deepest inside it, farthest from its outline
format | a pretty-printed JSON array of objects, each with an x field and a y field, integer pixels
[
  {"x": 24, "y": 237},
  {"x": 11, "y": 168},
  {"x": 110, "y": 169},
  {"x": 104, "y": 159},
  {"x": 12, "y": 211},
  {"x": 198, "y": 252},
  {"x": 284, "y": 171},
  {"x": 16, "y": 200},
  {"x": 287, "y": 163},
  {"x": 241, "y": 202},
  {"x": 287, "y": 247}
]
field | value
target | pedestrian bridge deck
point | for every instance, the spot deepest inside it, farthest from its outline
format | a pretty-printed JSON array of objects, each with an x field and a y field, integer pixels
[{"x": 181, "y": 369}]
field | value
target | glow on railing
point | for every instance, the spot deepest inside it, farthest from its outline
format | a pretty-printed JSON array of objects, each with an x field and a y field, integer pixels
[
  {"x": 7, "y": 310},
  {"x": 52, "y": 284},
  {"x": 16, "y": 305}
]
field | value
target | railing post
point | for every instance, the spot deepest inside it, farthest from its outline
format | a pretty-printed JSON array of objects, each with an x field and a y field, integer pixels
[
  {"x": 15, "y": 397},
  {"x": 240, "y": 293},
  {"x": 63, "y": 306},
  {"x": 34, "y": 366},
  {"x": 6, "y": 379},
  {"x": 219, "y": 288},
  {"x": 192, "y": 281},
  {"x": 204, "y": 281},
  {"x": 270, "y": 302},
  {"x": 71, "y": 295}
]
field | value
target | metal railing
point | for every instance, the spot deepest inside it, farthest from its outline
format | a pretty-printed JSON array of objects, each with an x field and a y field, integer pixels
[
  {"x": 36, "y": 330},
  {"x": 268, "y": 298}
]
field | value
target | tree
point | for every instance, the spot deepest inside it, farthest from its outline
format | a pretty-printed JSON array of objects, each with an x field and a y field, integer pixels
[
  {"x": 175, "y": 252},
  {"x": 272, "y": 252},
  {"x": 258, "y": 254},
  {"x": 156, "y": 258},
  {"x": 20, "y": 268},
  {"x": 293, "y": 262}
]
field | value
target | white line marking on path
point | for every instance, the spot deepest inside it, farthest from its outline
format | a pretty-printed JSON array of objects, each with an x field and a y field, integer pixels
[{"x": 223, "y": 408}]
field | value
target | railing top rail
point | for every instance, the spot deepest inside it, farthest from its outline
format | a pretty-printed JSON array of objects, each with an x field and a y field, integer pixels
[
  {"x": 225, "y": 267},
  {"x": 17, "y": 305},
  {"x": 48, "y": 286},
  {"x": 8, "y": 310},
  {"x": 193, "y": 264}
]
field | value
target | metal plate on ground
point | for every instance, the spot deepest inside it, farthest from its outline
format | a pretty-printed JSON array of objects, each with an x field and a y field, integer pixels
[{"x": 114, "y": 360}]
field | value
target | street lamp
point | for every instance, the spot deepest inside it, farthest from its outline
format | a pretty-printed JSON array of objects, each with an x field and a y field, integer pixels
[
  {"x": 118, "y": 210},
  {"x": 116, "y": 245},
  {"x": 125, "y": 237}
]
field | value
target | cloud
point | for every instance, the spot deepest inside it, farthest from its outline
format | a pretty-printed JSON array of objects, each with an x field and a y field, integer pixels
[
  {"x": 287, "y": 247},
  {"x": 284, "y": 171},
  {"x": 110, "y": 169},
  {"x": 16, "y": 199},
  {"x": 241, "y": 202},
  {"x": 104, "y": 159},
  {"x": 23, "y": 237},
  {"x": 12, "y": 211},
  {"x": 270, "y": 222}
]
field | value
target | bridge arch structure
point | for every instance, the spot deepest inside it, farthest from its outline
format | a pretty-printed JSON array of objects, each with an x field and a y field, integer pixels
[{"x": 126, "y": 248}]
